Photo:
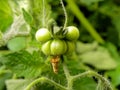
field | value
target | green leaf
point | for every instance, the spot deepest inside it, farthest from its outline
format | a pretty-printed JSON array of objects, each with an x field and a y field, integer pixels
[
  {"x": 28, "y": 18},
  {"x": 114, "y": 15},
  {"x": 89, "y": 2},
  {"x": 115, "y": 76},
  {"x": 81, "y": 47},
  {"x": 116, "y": 23},
  {"x": 5, "y": 15},
  {"x": 18, "y": 84},
  {"x": 4, "y": 77},
  {"x": 105, "y": 9},
  {"x": 84, "y": 84},
  {"x": 17, "y": 43},
  {"x": 113, "y": 51},
  {"x": 100, "y": 59},
  {"x": 24, "y": 64}
]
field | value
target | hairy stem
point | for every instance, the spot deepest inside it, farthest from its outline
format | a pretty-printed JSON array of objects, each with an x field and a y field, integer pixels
[
  {"x": 65, "y": 13},
  {"x": 14, "y": 30},
  {"x": 44, "y": 79},
  {"x": 77, "y": 12},
  {"x": 99, "y": 87},
  {"x": 43, "y": 12},
  {"x": 98, "y": 76},
  {"x": 70, "y": 84},
  {"x": 68, "y": 77},
  {"x": 11, "y": 35},
  {"x": 66, "y": 71},
  {"x": 102, "y": 82}
]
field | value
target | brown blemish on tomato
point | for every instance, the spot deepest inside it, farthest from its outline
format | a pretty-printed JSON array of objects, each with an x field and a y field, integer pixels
[{"x": 55, "y": 63}]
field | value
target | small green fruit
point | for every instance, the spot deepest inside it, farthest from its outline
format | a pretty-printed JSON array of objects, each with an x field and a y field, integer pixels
[
  {"x": 58, "y": 47},
  {"x": 46, "y": 48},
  {"x": 72, "y": 33},
  {"x": 43, "y": 35},
  {"x": 70, "y": 47}
]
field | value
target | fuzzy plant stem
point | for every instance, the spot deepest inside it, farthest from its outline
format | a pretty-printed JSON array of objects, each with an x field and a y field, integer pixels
[
  {"x": 71, "y": 79},
  {"x": 98, "y": 76},
  {"x": 77, "y": 12},
  {"x": 99, "y": 87},
  {"x": 14, "y": 31},
  {"x": 11, "y": 35},
  {"x": 68, "y": 77},
  {"x": 65, "y": 13},
  {"x": 43, "y": 80},
  {"x": 43, "y": 13}
]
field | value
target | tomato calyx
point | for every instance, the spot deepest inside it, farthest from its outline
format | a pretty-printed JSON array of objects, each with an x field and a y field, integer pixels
[{"x": 57, "y": 32}]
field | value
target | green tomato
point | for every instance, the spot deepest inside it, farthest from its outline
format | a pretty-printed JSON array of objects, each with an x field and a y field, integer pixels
[
  {"x": 70, "y": 47},
  {"x": 43, "y": 35},
  {"x": 58, "y": 47},
  {"x": 46, "y": 48},
  {"x": 72, "y": 33}
]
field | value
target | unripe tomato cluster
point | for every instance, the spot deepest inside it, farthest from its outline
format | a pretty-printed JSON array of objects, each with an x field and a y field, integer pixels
[{"x": 57, "y": 46}]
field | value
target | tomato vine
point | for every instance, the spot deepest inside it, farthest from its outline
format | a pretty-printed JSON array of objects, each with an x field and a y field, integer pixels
[{"x": 56, "y": 43}]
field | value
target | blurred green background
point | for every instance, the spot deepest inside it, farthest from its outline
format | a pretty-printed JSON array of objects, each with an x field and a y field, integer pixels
[{"x": 98, "y": 47}]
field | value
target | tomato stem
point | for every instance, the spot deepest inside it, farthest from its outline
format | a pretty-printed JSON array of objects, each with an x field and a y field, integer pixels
[
  {"x": 65, "y": 13},
  {"x": 102, "y": 82},
  {"x": 43, "y": 12},
  {"x": 68, "y": 77},
  {"x": 98, "y": 76},
  {"x": 44, "y": 79}
]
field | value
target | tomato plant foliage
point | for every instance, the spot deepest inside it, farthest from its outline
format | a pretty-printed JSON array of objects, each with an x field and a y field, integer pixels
[
  {"x": 29, "y": 64},
  {"x": 24, "y": 60}
]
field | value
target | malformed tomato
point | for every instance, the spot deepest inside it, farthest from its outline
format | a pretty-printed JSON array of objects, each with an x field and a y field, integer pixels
[
  {"x": 70, "y": 47},
  {"x": 43, "y": 35},
  {"x": 58, "y": 47},
  {"x": 72, "y": 33},
  {"x": 46, "y": 48}
]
